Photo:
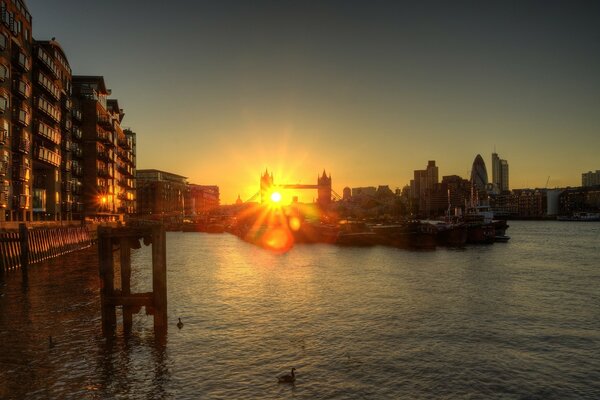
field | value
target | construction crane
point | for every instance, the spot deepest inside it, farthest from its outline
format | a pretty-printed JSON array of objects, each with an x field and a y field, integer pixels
[{"x": 547, "y": 180}]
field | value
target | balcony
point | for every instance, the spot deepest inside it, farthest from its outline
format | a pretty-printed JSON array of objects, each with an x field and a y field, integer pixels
[
  {"x": 77, "y": 170},
  {"x": 76, "y": 188},
  {"x": 47, "y": 156},
  {"x": 48, "y": 62},
  {"x": 124, "y": 144},
  {"x": 3, "y": 168},
  {"x": 23, "y": 174},
  {"x": 47, "y": 108},
  {"x": 23, "y": 201},
  {"x": 48, "y": 132},
  {"x": 77, "y": 133},
  {"x": 76, "y": 115},
  {"x": 22, "y": 88},
  {"x": 3, "y": 136},
  {"x": 105, "y": 121},
  {"x": 48, "y": 85},
  {"x": 24, "y": 144},
  {"x": 4, "y": 189},
  {"x": 103, "y": 172},
  {"x": 23, "y": 62},
  {"x": 66, "y": 187},
  {"x": 22, "y": 117},
  {"x": 104, "y": 155}
]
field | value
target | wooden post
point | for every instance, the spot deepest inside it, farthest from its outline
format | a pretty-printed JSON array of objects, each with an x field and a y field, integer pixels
[
  {"x": 107, "y": 275},
  {"x": 126, "y": 282},
  {"x": 24, "y": 238},
  {"x": 159, "y": 278}
]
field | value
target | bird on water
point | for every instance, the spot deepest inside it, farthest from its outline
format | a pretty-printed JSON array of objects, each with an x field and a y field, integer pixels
[
  {"x": 180, "y": 324},
  {"x": 288, "y": 378}
]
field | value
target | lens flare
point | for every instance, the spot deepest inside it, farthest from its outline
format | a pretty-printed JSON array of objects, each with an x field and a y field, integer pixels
[{"x": 275, "y": 197}]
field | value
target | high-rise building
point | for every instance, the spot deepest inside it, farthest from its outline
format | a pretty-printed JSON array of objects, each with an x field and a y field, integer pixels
[
  {"x": 16, "y": 183},
  {"x": 499, "y": 174},
  {"x": 590, "y": 178},
  {"x": 52, "y": 199},
  {"x": 63, "y": 154},
  {"x": 108, "y": 162},
  {"x": 479, "y": 176}
]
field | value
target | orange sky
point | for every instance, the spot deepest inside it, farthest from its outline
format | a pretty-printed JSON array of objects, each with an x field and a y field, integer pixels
[{"x": 219, "y": 91}]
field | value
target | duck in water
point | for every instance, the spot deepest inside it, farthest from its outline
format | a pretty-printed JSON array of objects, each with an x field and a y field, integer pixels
[
  {"x": 180, "y": 324},
  {"x": 288, "y": 378}
]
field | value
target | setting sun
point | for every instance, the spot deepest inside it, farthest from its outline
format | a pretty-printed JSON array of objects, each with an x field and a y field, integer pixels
[{"x": 275, "y": 197}]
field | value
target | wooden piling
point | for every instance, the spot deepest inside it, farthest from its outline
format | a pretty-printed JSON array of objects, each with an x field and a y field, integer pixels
[
  {"x": 126, "y": 282},
  {"x": 159, "y": 277},
  {"x": 155, "y": 301}
]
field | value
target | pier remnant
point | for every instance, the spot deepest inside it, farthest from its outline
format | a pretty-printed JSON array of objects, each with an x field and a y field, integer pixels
[{"x": 155, "y": 302}]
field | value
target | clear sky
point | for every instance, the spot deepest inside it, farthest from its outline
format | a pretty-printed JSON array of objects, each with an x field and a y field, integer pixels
[{"x": 369, "y": 90}]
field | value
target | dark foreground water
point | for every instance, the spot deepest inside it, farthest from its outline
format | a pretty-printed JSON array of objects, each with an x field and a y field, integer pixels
[{"x": 517, "y": 320}]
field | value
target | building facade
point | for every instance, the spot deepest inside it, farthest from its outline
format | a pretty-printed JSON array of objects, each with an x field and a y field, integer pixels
[
  {"x": 499, "y": 174},
  {"x": 108, "y": 162},
  {"x": 201, "y": 199},
  {"x": 160, "y": 195},
  {"x": 63, "y": 154},
  {"x": 52, "y": 199},
  {"x": 590, "y": 178},
  {"x": 16, "y": 104},
  {"x": 479, "y": 176}
]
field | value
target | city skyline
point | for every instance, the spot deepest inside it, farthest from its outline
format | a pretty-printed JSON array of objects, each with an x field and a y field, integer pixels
[{"x": 219, "y": 92}]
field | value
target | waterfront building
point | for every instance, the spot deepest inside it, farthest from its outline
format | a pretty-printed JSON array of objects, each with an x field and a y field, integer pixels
[
  {"x": 51, "y": 127},
  {"x": 123, "y": 159},
  {"x": 479, "y": 176},
  {"x": 160, "y": 195},
  {"x": 201, "y": 199},
  {"x": 108, "y": 152},
  {"x": 582, "y": 199},
  {"x": 126, "y": 166},
  {"x": 16, "y": 178},
  {"x": 63, "y": 154},
  {"x": 590, "y": 178},
  {"x": 499, "y": 174}
]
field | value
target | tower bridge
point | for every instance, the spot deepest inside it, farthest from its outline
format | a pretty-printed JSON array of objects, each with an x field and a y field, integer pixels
[{"x": 325, "y": 193}]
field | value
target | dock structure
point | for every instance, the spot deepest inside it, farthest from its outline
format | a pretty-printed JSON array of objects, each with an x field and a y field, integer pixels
[{"x": 122, "y": 240}]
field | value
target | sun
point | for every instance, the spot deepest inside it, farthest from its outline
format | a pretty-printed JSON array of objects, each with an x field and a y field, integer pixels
[{"x": 275, "y": 197}]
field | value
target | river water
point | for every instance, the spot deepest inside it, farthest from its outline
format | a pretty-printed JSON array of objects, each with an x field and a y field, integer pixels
[{"x": 511, "y": 320}]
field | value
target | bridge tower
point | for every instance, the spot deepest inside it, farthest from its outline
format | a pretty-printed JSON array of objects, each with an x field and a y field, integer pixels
[
  {"x": 324, "y": 190},
  {"x": 266, "y": 183}
]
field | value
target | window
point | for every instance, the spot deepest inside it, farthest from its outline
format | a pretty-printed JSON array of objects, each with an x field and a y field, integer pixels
[
  {"x": 23, "y": 61},
  {"x": 3, "y": 72},
  {"x": 3, "y": 41},
  {"x": 3, "y": 103}
]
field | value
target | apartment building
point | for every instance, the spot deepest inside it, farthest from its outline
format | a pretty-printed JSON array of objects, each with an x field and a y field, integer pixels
[{"x": 16, "y": 183}]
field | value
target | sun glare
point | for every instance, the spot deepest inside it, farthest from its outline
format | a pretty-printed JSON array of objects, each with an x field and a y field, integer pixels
[{"x": 275, "y": 197}]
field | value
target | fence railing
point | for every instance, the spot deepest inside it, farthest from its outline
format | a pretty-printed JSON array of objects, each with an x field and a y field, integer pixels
[{"x": 32, "y": 245}]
